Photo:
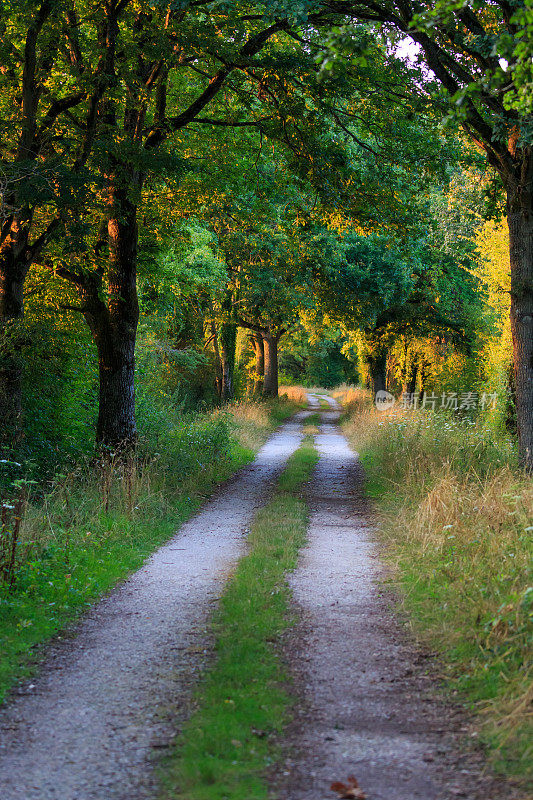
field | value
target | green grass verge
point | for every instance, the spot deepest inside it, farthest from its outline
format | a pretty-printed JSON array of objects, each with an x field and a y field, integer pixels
[
  {"x": 243, "y": 702},
  {"x": 282, "y": 408},
  {"x": 81, "y": 551}
]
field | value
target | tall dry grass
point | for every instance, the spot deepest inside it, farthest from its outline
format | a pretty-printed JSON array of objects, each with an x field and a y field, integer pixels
[
  {"x": 295, "y": 393},
  {"x": 353, "y": 399},
  {"x": 250, "y": 422},
  {"x": 456, "y": 516}
]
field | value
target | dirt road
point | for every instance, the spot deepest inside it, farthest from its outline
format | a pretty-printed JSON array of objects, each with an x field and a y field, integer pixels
[{"x": 117, "y": 690}]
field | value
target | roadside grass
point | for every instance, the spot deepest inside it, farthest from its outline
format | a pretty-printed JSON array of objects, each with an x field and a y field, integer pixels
[
  {"x": 295, "y": 393},
  {"x": 457, "y": 518},
  {"x": 352, "y": 398},
  {"x": 299, "y": 394},
  {"x": 92, "y": 528},
  {"x": 244, "y": 702}
]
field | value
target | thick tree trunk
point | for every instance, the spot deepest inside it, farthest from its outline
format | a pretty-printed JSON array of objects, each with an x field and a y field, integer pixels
[
  {"x": 13, "y": 271},
  {"x": 116, "y": 414},
  {"x": 228, "y": 341},
  {"x": 114, "y": 329},
  {"x": 270, "y": 384},
  {"x": 377, "y": 365},
  {"x": 116, "y": 426},
  {"x": 520, "y": 222},
  {"x": 12, "y": 275},
  {"x": 259, "y": 350}
]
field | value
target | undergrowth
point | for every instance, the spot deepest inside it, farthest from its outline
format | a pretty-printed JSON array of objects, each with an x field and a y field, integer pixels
[
  {"x": 63, "y": 549},
  {"x": 243, "y": 704},
  {"x": 457, "y": 518}
]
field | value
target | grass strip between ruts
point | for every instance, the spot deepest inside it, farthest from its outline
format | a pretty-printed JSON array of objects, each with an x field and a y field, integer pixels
[{"x": 243, "y": 703}]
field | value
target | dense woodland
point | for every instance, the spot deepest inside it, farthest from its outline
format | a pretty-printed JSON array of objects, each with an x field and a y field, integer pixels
[
  {"x": 205, "y": 204},
  {"x": 199, "y": 197}
]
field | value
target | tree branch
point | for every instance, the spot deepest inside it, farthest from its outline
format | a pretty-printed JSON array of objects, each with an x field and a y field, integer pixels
[
  {"x": 228, "y": 124},
  {"x": 34, "y": 249},
  {"x": 354, "y": 137},
  {"x": 249, "y": 49},
  {"x": 59, "y": 107}
]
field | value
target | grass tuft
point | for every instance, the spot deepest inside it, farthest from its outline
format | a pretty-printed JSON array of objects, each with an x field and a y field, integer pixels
[
  {"x": 353, "y": 398},
  {"x": 295, "y": 393}
]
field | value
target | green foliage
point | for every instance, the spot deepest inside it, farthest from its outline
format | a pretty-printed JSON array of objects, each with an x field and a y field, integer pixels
[
  {"x": 500, "y": 43},
  {"x": 358, "y": 277},
  {"x": 319, "y": 362},
  {"x": 187, "y": 266},
  {"x": 59, "y": 397},
  {"x": 519, "y": 51}
]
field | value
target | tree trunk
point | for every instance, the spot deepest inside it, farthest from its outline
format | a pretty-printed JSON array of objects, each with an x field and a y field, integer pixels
[
  {"x": 259, "y": 349},
  {"x": 116, "y": 427},
  {"x": 377, "y": 364},
  {"x": 218, "y": 360},
  {"x": 12, "y": 275},
  {"x": 270, "y": 384},
  {"x": 114, "y": 327},
  {"x": 423, "y": 377},
  {"x": 411, "y": 376},
  {"x": 520, "y": 222},
  {"x": 228, "y": 341},
  {"x": 13, "y": 272}
]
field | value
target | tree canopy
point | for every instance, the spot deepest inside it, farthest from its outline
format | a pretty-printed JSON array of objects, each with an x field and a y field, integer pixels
[{"x": 240, "y": 176}]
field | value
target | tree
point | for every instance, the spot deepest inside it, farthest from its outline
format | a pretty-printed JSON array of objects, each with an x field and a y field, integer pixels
[
  {"x": 358, "y": 279},
  {"x": 128, "y": 67},
  {"x": 479, "y": 54},
  {"x": 272, "y": 287},
  {"x": 259, "y": 371},
  {"x": 47, "y": 91}
]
